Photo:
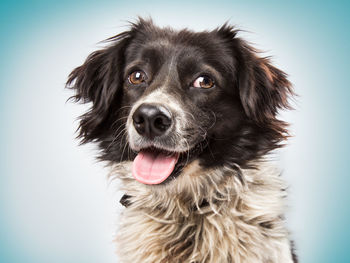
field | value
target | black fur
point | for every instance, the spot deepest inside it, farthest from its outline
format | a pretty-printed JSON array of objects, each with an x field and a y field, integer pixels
[
  {"x": 234, "y": 122},
  {"x": 245, "y": 103}
]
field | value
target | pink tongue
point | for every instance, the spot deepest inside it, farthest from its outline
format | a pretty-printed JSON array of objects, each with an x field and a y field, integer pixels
[{"x": 151, "y": 167}]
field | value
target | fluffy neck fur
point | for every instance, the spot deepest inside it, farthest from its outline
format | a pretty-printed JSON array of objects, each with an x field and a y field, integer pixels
[{"x": 219, "y": 215}]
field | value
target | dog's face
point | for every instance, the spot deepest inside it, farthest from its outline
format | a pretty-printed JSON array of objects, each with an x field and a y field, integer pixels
[{"x": 163, "y": 98}]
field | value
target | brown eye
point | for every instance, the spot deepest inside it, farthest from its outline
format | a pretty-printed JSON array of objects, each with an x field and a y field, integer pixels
[
  {"x": 203, "y": 82},
  {"x": 137, "y": 77}
]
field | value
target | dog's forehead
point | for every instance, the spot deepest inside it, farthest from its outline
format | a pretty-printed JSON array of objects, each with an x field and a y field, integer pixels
[
  {"x": 184, "y": 45},
  {"x": 161, "y": 49}
]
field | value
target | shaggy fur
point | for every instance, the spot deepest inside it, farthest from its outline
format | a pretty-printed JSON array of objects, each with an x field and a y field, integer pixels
[
  {"x": 223, "y": 202},
  {"x": 241, "y": 221}
]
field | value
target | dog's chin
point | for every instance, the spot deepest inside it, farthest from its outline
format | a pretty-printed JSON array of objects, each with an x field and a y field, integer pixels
[{"x": 157, "y": 166}]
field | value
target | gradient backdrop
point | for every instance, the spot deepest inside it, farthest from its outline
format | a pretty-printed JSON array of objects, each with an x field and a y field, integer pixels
[{"x": 55, "y": 203}]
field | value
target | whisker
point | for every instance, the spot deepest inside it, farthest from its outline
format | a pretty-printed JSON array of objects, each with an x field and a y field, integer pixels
[
  {"x": 116, "y": 137},
  {"x": 125, "y": 145},
  {"x": 116, "y": 121}
]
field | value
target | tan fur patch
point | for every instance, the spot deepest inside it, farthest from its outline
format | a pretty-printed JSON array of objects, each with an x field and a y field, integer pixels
[
  {"x": 241, "y": 221},
  {"x": 268, "y": 72}
]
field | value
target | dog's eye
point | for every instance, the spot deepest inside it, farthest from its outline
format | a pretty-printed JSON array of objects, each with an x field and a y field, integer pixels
[
  {"x": 137, "y": 77},
  {"x": 203, "y": 82}
]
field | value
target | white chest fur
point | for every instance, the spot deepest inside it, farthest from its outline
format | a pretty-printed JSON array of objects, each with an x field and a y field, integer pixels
[{"x": 213, "y": 216}]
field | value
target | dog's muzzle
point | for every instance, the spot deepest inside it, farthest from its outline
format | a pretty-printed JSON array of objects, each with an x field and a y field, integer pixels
[
  {"x": 151, "y": 120},
  {"x": 151, "y": 165}
]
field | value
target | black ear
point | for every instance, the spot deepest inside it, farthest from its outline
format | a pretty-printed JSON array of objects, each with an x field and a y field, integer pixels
[
  {"x": 263, "y": 89},
  {"x": 98, "y": 81}
]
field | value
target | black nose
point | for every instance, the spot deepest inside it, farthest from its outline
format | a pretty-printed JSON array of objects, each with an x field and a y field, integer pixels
[{"x": 151, "y": 120}]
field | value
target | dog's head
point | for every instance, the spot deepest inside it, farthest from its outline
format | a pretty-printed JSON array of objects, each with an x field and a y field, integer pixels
[{"x": 163, "y": 98}]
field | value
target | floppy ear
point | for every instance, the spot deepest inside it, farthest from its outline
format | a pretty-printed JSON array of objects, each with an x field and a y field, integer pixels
[
  {"x": 98, "y": 81},
  {"x": 263, "y": 89}
]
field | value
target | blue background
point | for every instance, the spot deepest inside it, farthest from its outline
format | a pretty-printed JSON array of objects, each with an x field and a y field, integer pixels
[{"x": 55, "y": 202}]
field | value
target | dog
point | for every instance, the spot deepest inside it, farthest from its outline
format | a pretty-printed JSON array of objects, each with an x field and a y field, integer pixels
[{"x": 186, "y": 121}]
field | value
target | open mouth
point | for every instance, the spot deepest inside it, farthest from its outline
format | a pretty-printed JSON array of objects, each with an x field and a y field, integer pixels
[{"x": 154, "y": 166}]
